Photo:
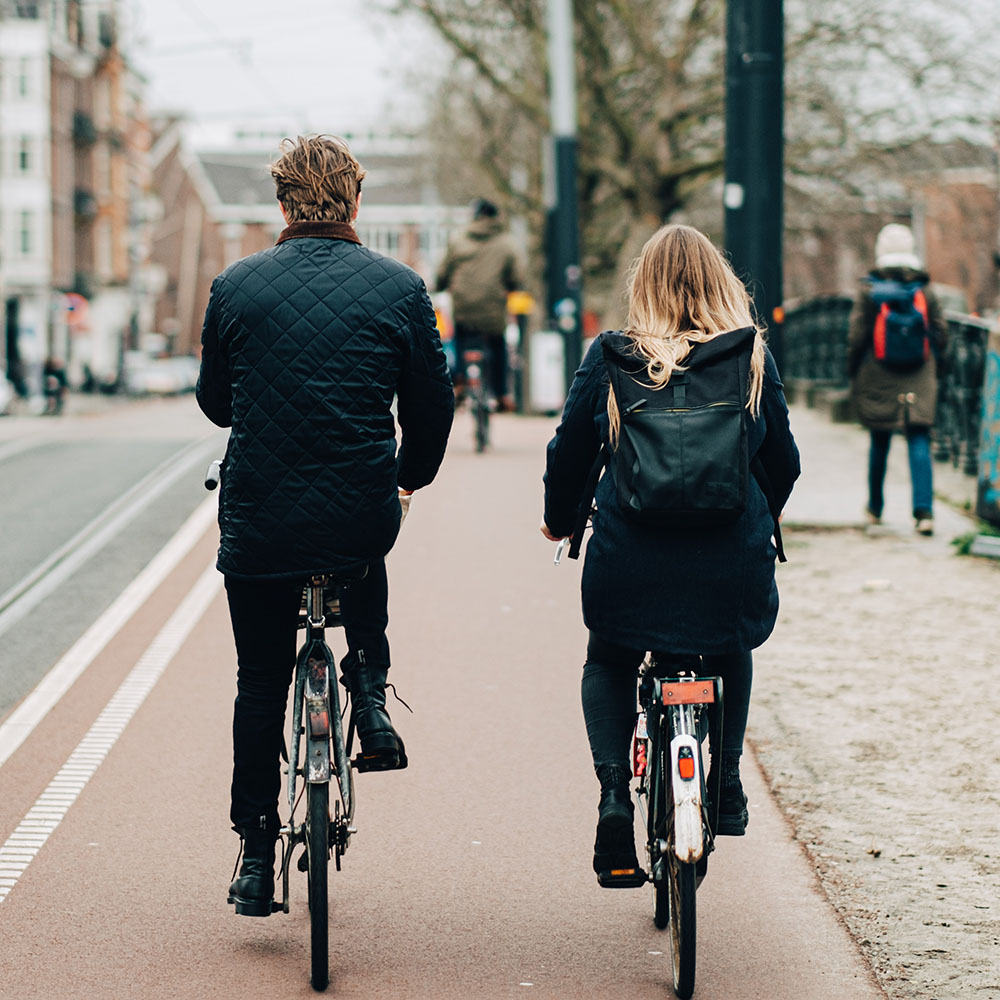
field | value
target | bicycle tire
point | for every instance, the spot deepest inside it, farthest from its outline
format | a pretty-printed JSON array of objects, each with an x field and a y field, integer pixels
[
  {"x": 682, "y": 885},
  {"x": 660, "y": 801},
  {"x": 482, "y": 424},
  {"x": 318, "y": 854}
]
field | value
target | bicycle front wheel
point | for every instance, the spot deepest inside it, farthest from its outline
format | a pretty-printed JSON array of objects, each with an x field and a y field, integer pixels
[
  {"x": 318, "y": 854},
  {"x": 681, "y": 885}
]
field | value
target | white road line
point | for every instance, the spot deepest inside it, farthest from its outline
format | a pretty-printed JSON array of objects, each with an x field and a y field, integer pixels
[
  {"x": 29, "y": 592},
  {"x": 53, "y": 805},
  {"x": 19, "y": 724}
]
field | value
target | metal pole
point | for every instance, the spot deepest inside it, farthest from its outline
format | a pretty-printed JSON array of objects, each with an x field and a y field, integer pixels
[
  {"x": 564, "y": 272},
  {"x": 753, "y": 193}
]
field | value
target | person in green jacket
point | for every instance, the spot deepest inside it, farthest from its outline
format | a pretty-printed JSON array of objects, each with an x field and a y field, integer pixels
[{"x": 481, "y": 267}]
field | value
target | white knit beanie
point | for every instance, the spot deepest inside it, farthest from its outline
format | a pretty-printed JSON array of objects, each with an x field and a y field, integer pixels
[{"x": 894, "y": 247}]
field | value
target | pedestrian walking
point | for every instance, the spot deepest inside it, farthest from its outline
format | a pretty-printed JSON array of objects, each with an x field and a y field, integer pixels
[
  {"x": 897, "y": 334},
  {"x": 673, "y": 587},
  {"x": 481, "y": 267},
  {"x": 305, "y": 347}
]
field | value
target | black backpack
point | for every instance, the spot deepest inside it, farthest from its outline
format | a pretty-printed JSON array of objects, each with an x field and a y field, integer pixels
[{"x": 682, "y": 457}]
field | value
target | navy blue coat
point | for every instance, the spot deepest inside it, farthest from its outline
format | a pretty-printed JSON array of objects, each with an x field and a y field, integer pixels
[
  {"x": 678, "y": 590},
  {"x": 304, "y": 348}
]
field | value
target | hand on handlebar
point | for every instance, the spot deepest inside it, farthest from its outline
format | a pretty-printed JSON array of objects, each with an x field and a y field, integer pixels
[
  {"x": 405, "y": 496},
  {"x": 544, "y": 528}
]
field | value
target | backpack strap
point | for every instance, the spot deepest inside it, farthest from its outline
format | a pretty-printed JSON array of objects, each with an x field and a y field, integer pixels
[
  {"x": 764, "y": 481},
  {"x": 586, "y": 502}
]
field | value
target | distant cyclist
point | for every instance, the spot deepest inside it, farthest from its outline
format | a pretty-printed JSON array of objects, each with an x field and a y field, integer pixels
[
  {"x": 481, "y": 267},
  {"x": 670, "y": 589},
  {"x": 305, "y": 347}
]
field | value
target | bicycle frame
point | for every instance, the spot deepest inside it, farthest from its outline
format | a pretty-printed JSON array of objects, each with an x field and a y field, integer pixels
[
  {"x": 316, "y": 715},
  {"x": 681, "y": 817}
]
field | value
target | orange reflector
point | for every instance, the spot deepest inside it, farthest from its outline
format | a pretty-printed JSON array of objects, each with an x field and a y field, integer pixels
[
  {"x": 685, "y": 767},
  {"x": 622, "y": 871}
]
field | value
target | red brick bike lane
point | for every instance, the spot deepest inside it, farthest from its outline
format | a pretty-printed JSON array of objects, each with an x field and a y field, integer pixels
[{"x": 470, "y": 872}]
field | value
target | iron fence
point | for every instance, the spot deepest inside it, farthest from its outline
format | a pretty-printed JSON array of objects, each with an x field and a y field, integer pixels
[
  {"x": 960, "y": 393},
  {"x": 815, "y": 340}
]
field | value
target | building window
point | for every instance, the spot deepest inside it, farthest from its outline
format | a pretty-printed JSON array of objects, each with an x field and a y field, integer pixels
[
  {"x": 26, "y": 234},
  {"x": 24, "y": 155},
  {"x": 24, "y": 78}
]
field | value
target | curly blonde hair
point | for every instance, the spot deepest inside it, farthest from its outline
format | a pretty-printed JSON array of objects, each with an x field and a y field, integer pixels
[
  {"x": 682, "y": 292},
  {"x": 317, "y": 179}
]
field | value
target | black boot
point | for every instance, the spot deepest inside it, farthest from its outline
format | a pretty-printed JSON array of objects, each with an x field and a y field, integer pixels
[
  {"x": 253, "y": 891},
  {"x": 733, "y": 813},
  {"x": 614, "y": 848},
  {"x": 381, "y": 747}
]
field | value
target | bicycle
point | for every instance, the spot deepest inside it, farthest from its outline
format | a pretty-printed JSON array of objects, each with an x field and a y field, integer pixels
[
  {"x": 474, "y": 363},
  {"x": 318, "y": 718},
  {"x": 678, "y": 709}
]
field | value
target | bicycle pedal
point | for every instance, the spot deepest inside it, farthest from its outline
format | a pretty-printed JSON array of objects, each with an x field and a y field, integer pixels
[
  {"x": 379, "y": 762},
  {"x": 622, "y": 878}
]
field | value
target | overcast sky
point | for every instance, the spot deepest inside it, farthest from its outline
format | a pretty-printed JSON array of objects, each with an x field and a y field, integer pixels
[{"x": 316, "y": 65}]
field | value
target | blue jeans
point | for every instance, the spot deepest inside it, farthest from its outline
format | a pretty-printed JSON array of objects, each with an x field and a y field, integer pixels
[{"x": 918, "y": 442}]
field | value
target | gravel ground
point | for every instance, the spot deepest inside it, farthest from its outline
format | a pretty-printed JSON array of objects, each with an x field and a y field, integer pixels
[{"x": 875, "y": 719}]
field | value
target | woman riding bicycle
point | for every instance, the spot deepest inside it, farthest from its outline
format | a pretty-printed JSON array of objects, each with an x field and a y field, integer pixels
[{"x": 672, "y": 589}]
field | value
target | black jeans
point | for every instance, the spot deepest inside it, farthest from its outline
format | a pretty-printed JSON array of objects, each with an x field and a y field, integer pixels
[
  {"x": 264, "y": 616},
  {"x": 609, "y": 697},
  {"x": 494, "y": 348}
]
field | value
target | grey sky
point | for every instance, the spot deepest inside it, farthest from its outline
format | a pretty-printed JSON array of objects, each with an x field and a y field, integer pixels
[{"x": 330, "y": 65}]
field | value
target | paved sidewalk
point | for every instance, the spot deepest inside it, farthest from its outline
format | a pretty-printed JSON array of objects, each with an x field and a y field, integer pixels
[{"x": 832, "y": 491}]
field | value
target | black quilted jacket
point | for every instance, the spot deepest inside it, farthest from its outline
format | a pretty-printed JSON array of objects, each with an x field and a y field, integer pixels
[{"x": 305, "y": 345}]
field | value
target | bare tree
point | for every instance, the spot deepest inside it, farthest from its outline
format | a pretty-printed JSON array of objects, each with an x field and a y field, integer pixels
[{"x": 861, "y": 77}]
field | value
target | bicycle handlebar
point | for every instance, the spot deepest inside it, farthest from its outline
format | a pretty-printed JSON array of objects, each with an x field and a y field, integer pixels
[{"x": 213, "y": 474}]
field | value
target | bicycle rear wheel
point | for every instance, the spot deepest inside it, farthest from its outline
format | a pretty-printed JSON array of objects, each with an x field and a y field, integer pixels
[
  {"x": 681, "y": 883},
  {"x": 482, "y": 422},
  {"x": 318, "y": 854}
]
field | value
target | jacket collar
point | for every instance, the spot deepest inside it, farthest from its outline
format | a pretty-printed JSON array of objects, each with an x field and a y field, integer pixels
[{"x": 319, "y": 230}]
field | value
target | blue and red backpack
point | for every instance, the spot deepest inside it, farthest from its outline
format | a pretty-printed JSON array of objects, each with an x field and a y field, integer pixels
[{"x": 901, "y": 337}]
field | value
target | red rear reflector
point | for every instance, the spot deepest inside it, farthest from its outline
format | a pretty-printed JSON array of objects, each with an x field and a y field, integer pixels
[{"x": 685, "y": 768}]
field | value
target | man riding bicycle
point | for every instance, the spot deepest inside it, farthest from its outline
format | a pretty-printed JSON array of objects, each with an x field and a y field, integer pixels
[
  {"x": 304, "y": 348},
  {"x": 482, "y": 266}
]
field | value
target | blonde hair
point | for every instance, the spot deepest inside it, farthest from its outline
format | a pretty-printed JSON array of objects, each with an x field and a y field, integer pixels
[
  {"x": 682, "y": 292},
  {"x": 317, "y": 179}
]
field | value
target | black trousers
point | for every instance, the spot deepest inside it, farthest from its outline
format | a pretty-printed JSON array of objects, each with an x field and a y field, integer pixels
[
  {"x": 608, "y": 691},
  {"x": 264, "y": 616},
  {"x": 495, "y": 348}
]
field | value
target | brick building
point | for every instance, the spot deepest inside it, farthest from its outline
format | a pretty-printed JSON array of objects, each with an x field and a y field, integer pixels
[{"x": 218, "y": 204}]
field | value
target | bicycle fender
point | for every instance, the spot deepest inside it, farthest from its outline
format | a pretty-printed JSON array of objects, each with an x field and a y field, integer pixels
[{"x": 689, "y": 844}]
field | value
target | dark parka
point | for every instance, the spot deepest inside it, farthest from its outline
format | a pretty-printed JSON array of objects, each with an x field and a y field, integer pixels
[
  {"x": 304, "y": 348},
  {"x": 882, "y": 397},
  {"x": 683, "y": 590}
]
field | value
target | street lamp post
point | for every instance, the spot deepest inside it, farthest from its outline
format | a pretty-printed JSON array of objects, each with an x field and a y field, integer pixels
[
  {"x": 753, "y": 195},
  {"x": 565, "y": 284}
]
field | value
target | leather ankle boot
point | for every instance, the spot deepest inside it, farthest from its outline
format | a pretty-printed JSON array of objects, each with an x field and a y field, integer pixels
[
  {"x": 381, "y": 746},
  {"x": 614, "y": 847},
  {"x": 253, "y": 891}
]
